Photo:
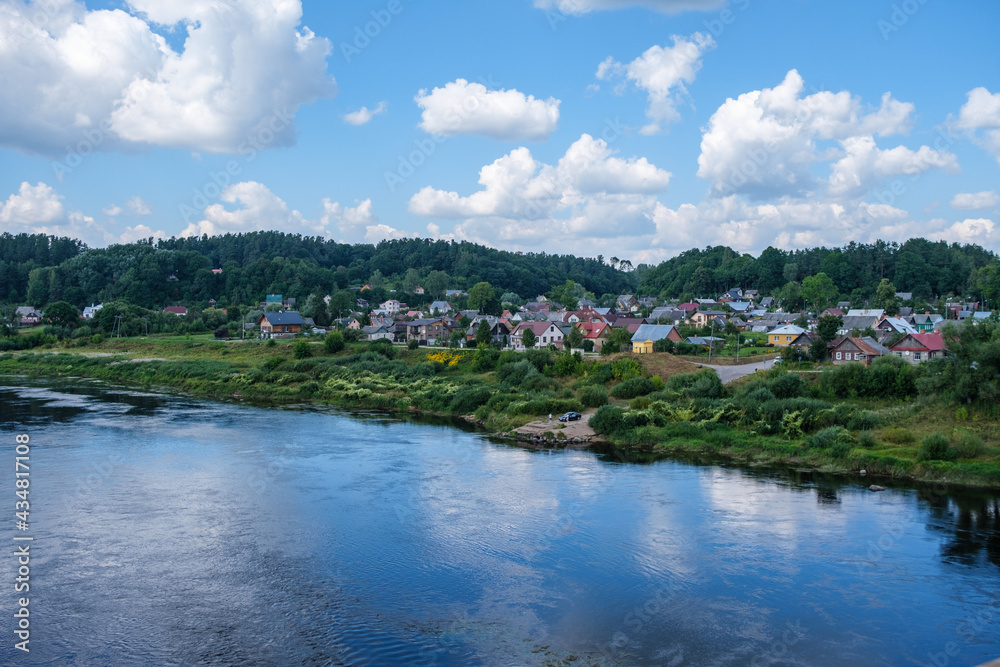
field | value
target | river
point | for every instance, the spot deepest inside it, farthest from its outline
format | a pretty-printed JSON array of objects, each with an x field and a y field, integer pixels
[{"x": 175, "y": 531}]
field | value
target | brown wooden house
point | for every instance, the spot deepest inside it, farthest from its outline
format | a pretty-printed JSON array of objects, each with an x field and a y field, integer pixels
[
  {"x": 273, "y": 324},
  {"x": 861, "y": 350}
]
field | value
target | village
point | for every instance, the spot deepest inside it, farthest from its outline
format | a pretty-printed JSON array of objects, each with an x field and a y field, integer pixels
[{"x": 641, "y": 325}]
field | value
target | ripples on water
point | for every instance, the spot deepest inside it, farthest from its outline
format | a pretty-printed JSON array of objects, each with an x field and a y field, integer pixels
[{"x": 170, "y": 531}]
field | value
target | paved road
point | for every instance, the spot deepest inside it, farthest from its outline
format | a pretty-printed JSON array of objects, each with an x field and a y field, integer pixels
[{"x": 729, "y": 373}]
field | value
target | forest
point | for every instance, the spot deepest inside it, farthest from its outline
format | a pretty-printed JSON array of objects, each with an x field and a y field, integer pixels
[{"x": 36, "y": 269}]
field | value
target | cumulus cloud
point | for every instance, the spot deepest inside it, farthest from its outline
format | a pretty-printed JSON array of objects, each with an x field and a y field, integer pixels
[
  {"x": 982, "y": 112},
  {"x": 364, "y": 115},
  {"x": 975, "y": 201},
  {"x": 107, "y": 79},
  {"x": 32, "y": 205},
  {"x": 766, "y": 143},
  {"x": 256, "y": 209},
  {"x": 590, "y": 193},
  {"x": 662, "y": 72},
  {"x": 577, "y": 7},
  {"x": 461, "y": 107},
  {"x": 354, "y": 224},
  {"x": 865, "y": 164}
]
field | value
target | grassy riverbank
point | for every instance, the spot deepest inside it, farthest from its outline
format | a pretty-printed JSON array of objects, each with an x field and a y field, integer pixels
[{"x": 655, "y": 404}]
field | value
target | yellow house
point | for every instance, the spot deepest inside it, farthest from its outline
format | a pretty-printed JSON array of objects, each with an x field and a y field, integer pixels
[
  {"x": 642, "y": 347},
  {"x": 783, "y": 336}
]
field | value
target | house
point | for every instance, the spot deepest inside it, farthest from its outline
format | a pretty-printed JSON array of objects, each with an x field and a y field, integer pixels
[
  {"x": 29, "y": 317},
  {"x": 862, "y": 350},
  {"x": 706, "y": 342},
  {"x": 398, "y": 331},
  {"x": 537, "y": 306},
  {"x": 350, "y": 323},
  {"x": 289, "y": 303},
  {"x": 632, "y": 324},
  {"x": 280, "y": 324},
  {"x": 429, "y": 331},
  {"x": 920, "y": 347},
  {"x": 735, "y": 294},
  {"x": 377, "y": 332},
  {"x": 392, "y": 306},
  {"x": 647, "y": 334},
  {"x": 895, "y": 324},
  {"x": 859, "y": 322},
  {"x": 583, "y": 315},
  {"x": 832, "y": 312},
  {"x": 440, "y": 306},
  {"x": 546, "y": 333},
  {"x": 804, "y": 339},
  {"x": 273, "y": 298},
  {"x": 703, "y": 317},
  {"x": 925, "y": 323},
  {"x": 627, "y": 302},
  {"x": 876, "y": 313},
  {"x": 455, "y": 293},
  {"x": 783, "y": 336},
  {"x": 217, "y": 272},
  {"x": 361, "y": 303},
  {"x": 767, "y": 302},
  {"x": 647, "y": 301},
  {"x": 90, "y": 311},
  {"x": 904, "y": 296},
  {"x": 740, "y": 306},
  {"x": 668, "y": 313},
  {"x": 180, "y": 311},
  {"x": 596, "y": 332},
  {"x": 688, "y": 307},
  {"x": 710, "y": 304},
  {"x": 419, "y": 290},
  {"x": 498, "y": 329}
]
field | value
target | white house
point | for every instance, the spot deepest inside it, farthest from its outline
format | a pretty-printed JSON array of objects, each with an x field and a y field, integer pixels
[{"x": 90, "y": 311}]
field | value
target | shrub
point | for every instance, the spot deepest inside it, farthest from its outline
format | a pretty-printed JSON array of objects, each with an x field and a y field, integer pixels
[
  {"x": 303, "y": 350},
  {"x": 968, "y": 445},
  {"x": 222, "y": 332},
  {"x": 382, "y": 347},
  {"x": 334, "y": 342},
  {"x": 829, "y": 437},
  {"x": 468, "y": 399},
  {"x": 633, "y": 388},
  {"x": 486, "y": 360},
  {"x": 412, "y": 344},
  {"x": 593, "y": 397},
  {"x": 935, "y": 447},
  {"x": 609, "y": 420},
  {"x": 515, "y": 374},
  {"x": 270, "y": 341},
  {"x": 840, "y": 450},
  {"x": 786, "y": 385},
  {"x": 867, "y": 440},
  {"x": 899, "y": 436},
  {"x": 863, "y": 420},
  {"x": 640, "y": 403}
]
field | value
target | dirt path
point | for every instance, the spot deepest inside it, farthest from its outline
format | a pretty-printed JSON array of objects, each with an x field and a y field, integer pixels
[
  {"x": 729, "y": 373},
  {"x": 578, "y": 429}
]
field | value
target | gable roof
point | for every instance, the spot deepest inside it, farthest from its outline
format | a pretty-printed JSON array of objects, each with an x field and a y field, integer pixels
[
  {"x": 283, "y": 319},
  {"x": 593, "y": 329},
  {"x": 653, "y": 332},
  {"x": 867, "y": 345},
  {"x": 929, "y": 342},
  {"x": 788, "y": 330}
]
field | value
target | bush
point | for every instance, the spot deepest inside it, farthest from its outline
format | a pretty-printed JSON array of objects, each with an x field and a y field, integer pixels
[
  {"x": 840, "y": 450},
  {"x": 468, "y": 399},
  {"x": 609, "y": 420},
  {"x": 863, "y": 420},
  {"x": 786, "y": 385},
  {"x": 513, "y": 375},
  {"x": 382, "y": 347},
  {"x": 486, "y": 360},
  {"x": 829, "y": 437},
  {"x": 640, "y": 403},
  {"x": 968, "y": 445},
  {"x": 633, "y": 388},
  {"x": 899, "y": 435},
  {"x": 935, "y": 447},
  {"x": 303, "y": 350},
  {"x": 593, "y": 397},
  {"x": 334, "y": 342},
  {"x": 270, "y": 341},
  {"x": 867, "y": 440},
  {"x": 412, "y": 344},
  {"x": 222, "y": 332}
]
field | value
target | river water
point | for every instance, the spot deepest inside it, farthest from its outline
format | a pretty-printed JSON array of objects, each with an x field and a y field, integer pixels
[{"x": 173, "y": 531}]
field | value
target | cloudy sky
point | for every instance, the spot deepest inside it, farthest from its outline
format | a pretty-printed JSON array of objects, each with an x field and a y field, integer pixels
[{"x": 636, "y": 128}]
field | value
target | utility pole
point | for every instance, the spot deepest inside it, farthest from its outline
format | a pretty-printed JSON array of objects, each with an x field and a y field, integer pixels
[{"x": 711, "y": 341}]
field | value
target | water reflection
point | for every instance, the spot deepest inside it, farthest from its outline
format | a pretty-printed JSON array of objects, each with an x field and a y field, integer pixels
[{"x": 174, "y": 531}]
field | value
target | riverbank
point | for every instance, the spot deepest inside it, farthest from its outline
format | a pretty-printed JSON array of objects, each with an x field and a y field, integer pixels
[{"x": 654, "y": 405}]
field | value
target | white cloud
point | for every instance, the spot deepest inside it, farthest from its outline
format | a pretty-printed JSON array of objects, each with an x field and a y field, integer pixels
[
  {"x": 364, "y": 115},
  {"x": 257, "y": 209},
  {"x": 865, "y": 165},
  {"x": 971, "y": 230},
  {"x": 982, "y": 112},
  {"x": 577, "y": 7},
  {"x": 766, "y": 142},
  {"x": 112, "y": 211},
  {"x": 32, "y": 205},
  {"x": 137, "y": 206},
  {"x": 461, "y": 107},
  {"x": 975, "y": 201},
  {"x": 354, "y": 224},
  {"x": 662, "y": 72},
  {"x": 105, "y": 80},
  {"x": 141, "y": 232}
]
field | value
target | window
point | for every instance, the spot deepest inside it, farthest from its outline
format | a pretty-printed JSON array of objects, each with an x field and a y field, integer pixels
[
  {"x": 916, "y": 356},
  {"x": 788, "y": 339},
  {"x": 838, "y": 356}
]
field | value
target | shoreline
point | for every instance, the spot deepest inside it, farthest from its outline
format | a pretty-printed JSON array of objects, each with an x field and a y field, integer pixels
[{"x": 744, "y": 450}]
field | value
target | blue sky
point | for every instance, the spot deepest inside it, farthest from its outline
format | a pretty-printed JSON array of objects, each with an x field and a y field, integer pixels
[{"x": 636, "y": 128}]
